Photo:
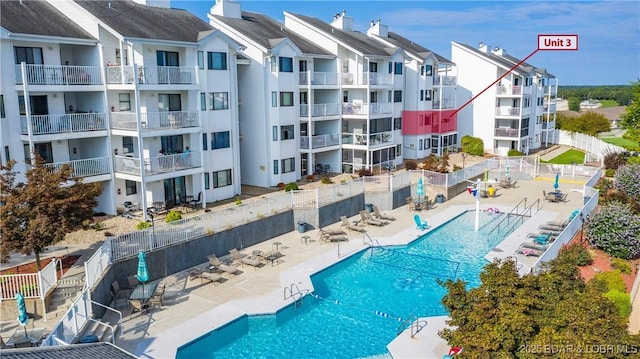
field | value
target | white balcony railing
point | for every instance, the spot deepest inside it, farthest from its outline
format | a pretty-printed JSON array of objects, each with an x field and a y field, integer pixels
[
  {"x": 86, "y": 167},
  {"x": 506, "y": 132},
  {"x": 318, "y": 78},
  {"x": 157, "y": 165},
  {"x": 64, "y": 123},
  {"x": 124, "y": 121},
  {"x": 165, "y": 75},
  {"x": 373, "y": 139},
  {"x": 366, "y": 78},
  {"x": 548, "y": 125},
  {"x": 120, "y": 75},
  {"x": 359, "y": 108},
  {"x": 154, "y": 120},
  {"x": 509, "y": 90},
  {"x": 320, "y": 109},
  {"x": 445, "y": 80},
  {"x": 507, "y": 111},
  {"x": 443, "y": 104},
  {"x": 320, "y": 141},
  {"x": 59, "y": 75}
]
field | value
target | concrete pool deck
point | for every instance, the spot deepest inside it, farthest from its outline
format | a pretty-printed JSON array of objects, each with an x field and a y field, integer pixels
[{"x": 193, "y": 308}]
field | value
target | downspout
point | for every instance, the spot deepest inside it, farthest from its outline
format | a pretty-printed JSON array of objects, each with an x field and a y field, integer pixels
[
  {"x": 136, "y": 90},
  {"x": 112, "y": 184},
  {"x": 27, "y": 108}
]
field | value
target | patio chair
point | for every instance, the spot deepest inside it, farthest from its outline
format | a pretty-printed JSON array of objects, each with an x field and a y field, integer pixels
[
  {"x": 351, "y": 227},
  {"x": 543, "y": 239},
  {"x": 118, "y": 293},
  {"x": 410, "y": 204},
  {"x": 157, "y": 299},
  {"x": 528, "y": 252},
  {"x": 377, "y": 214},
  {"x": 549, "y": 196},
  {"x": 217, "y": 264},
  {"x": 330, "y": 232},
  {"x": 211, "y": 277},
  {"x": 194, "y": 203},
  {"x": 244, "y": 259},
  {"x": 370, "y": 220},
  {"x": 133, "y": 281},
  {"x": 420, "y": 224},
  {"x": 136, "y": 306},
  {"x": 550, "y": 227},
  {"x": 337, "y": 236}
]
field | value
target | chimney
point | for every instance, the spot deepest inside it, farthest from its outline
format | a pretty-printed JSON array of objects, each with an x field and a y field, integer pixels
[
  {"x": 342, "y": 21},
  {"x": 226, "y": 8},
  {"x": 483, "y": 48},
  {"x": 377, "y": 28},
  {"x": 498, "y": 51}
]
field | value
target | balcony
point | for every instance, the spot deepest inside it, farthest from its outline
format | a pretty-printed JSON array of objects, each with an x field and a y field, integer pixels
[
  {"x": 165, "y": 75},
  {"x": 320, "y": 110},
  {"x": 507, "y": 111},
  {"x": 506, "y": 132},
  {"x": 360, "y": 108},
  {"x": 373, "y": 139},
  {"x": 366, "y": 78},
  {"x": 64, "y": 123},
  {"x": 548, "y": 125},
  {"x": 120, "y": 75},
  {"x": 59, "y": 75},
  {"x": 445, "y": 80},
  {"x": 318, "y": 78},
  {"x": 154, "y": 120},
  {"x": 444, "y": 104},
  {"x": 320, "y": 141},
  {"x": 86, "y": 167},
  {"x": 157, "y": 165}
]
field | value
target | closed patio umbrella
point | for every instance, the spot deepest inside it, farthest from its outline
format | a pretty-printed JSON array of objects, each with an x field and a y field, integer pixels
[
  {"x": 506, "y": 169},
  {"x": 420, "y": 188},
  {"x": 23, "y": 317},
  {"x": 555, "y": 184},
  {"x": 143, "y": 273}
]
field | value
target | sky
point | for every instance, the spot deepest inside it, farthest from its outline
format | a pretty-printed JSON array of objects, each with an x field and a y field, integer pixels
[{"x": 608, "y": 31}]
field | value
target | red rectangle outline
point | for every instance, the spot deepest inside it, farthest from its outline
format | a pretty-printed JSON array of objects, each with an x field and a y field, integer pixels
[{"x": 576, "y": 49}]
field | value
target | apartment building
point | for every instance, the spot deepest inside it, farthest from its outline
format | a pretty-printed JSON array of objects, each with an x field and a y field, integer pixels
[
  {"x": 149, "y": 107},
  {"x": 428, "y": 122},
  {"x": 52, "y": 94},
  {"x": 517, "y": 112}
]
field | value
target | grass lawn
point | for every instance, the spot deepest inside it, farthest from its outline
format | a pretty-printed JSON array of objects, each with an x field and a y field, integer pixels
[
  {"x": 569, "y": 157},
  {"x": 609, "y": 103},
  {"x": 619, "y": 141}
]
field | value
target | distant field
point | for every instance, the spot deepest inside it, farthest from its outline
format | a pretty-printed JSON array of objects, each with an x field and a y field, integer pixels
[
  {"x": 619, "y": 141},
  {"x": 569, "y": 157},
  {"x": 609, "y": 103}
]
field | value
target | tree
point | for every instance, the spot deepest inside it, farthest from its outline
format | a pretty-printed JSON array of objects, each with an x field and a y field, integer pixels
[
  {"x": 472, "y": 145},
  {"x": 590, "y": 123},
  {"x": 630, "y": 119},
  {"x": 41, "y": 211},
  {"x": 574, "y": 103}
]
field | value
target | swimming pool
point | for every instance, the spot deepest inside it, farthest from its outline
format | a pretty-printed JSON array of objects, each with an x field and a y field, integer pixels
[{"x": 358, "y": 304}]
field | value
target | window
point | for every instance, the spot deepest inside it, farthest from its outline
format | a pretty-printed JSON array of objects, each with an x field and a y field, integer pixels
[
  {"x": 274, "y": 132},
  {"x": 203, "y": 101},
  {"x": 201, "y": 60},
  {"x": 204, "y": 141},
  {"x": 286, "y": 64},
  {"x": 221, "y": 178},
  {"x": 119, "y": 58},
  {"x": 217, "y": 60},
  {"x": 21, "y": 106},
  {"x": 398, "y": 68},
  {"x": 427, "y": 95},
  {"x": 274, "y": 64},
  {"x": 2, "y": 113},
  {"x": 390, "y": 67},
  {"x": 397, "y": 96},
  {"x": 345, "y": 96},
  {"x": 420, "y": 144},
  {"x": 274, "y": 99},
  {"x": 131, "y": 187},
  {"x": 426, "y": 144},
  {"x": 421, "y": 95},
  {"x": 373, "y": 97},
  {"x": 304, "y": 99},
  {"x": 127, "y": 144},
  {"x": 397, "y": 123},
  {"x": 428, "y": 70},
  {"x": 7, "y": 154},
  {"x": 218, "y": 100},
  {"x": 125, "y": 102},
  {"x": 275, "y": 167},
  {"x": 373, "y": 67},
  {"x": 288, "y": 165},
  {"x": 167, "y": 58},
  {"x": 398, "y": 150},
  {"x": 30, "y": 55},
  {"x": 286, "y": 132},
  {"x": 207, "y": 184},
  {"x": 302, "y": 66},
  {"x": 345, "y": 66},
  {"x": 286, "y": 98},
  {"x": 220, "y": 140}
]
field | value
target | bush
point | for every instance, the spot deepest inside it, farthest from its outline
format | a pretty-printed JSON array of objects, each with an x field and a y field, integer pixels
[
  {"x": 143, "y": 225},
  {"x": 613, "y": 160},
  {"x": 281, "y": 185},
  {"x": 410, "y": 165},
  {"x": 292, "y": 186},
  {"x": 615, "y": 229},
  {"x": 311, "y": 178},
  {"x": 98, "y": 226},
  {"x": 610, "y": 172},
  {"x": 173, "y": 216},
  {"x": 238, "y": 200},
  {"x": 514, "y": 153},
  {"x": 627, "y": 180},
  {"x": 577, "y": 253},
  {"x": 472, "y": 145},
  {"x": 364, "y": 172},
  {"x": 621, "y": 265},
  {"x": 621, "y": 300},
  {"x": 326, "y": 180},
  {"x": 611, "y": 280}
]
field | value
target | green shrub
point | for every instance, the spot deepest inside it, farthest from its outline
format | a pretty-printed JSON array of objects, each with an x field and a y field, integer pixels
[
  {"x": 291, "y": 186},
  {"x": 364, "y": 172},
  {"x": 615, "y": 229},
  {"x": 238, "y": 200},
  {"x": 577, "y": 253},
  {"x": 326, "y": 180},
  {"x": 612, "y": 280},
  {"x": 621, "y": 300},
  {"x": 613, "y": 160},
  {"x": 514, "y": 153},
  {"x": 410, "y": 165},
  {"x": 626, "y": 180},
  {"x": 609, "y": 172},
  {"x": 143, "y": 225},
  {"x": 472, "y": 145},
  {"x": 173, "y": 216},
  {"x": 98, "y": 226},
  {"x": 456, "y": 168},
  {"x": 621, "y": 265}
]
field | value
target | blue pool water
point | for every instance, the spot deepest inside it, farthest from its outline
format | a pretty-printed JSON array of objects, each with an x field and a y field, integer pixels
[{"x": 357, "y": 305}]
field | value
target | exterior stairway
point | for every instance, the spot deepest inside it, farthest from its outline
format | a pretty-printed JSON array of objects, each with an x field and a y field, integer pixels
[{"x": 68, "y": 289}]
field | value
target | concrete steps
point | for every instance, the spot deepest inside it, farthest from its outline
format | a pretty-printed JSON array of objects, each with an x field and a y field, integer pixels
[{"x": 64, "y": 294}]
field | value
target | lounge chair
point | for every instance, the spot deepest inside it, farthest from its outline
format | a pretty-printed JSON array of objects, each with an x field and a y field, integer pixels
[
  {"x": 339, "y": 237},
  {"x": 217, "y": 264},
  {"x": 199, "y": 273},
  {"x": 552, "y": 235},
  {"x": 377, "y": 214},
  {"x": 366, "y": 218},
  {"x": 529, "y": 252},
  {"x": 534, "y": 246},
  {"x": 543, "y": 239},
  {"x": 351, "y": 227},
  {"x": 549, "y": 227},
  {"x": 330, "y": 232},
  {"x": 244, "y": 259},
  {"x": 420, "y": 224}
]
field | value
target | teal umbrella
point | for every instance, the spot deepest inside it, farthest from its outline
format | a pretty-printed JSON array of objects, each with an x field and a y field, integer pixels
[
  {"x": 420, "y": 188},
  {"x": 506, "y": 169},
  {"x": 143, "y": 273},
  {"x": 555, "y": 184},
  {"x": 23, "y": 317}
]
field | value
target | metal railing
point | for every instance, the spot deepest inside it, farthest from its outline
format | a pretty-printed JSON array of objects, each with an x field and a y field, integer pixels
[
  {"x": 64, "y": 123},
  {"x": 165, "y": 75},
  {"x": 318, "y": 78},
  {"x": 366, "y": 78},
  {"x": 507, "y": 111},
  {"x": 157, "y": 165},
  {"x": 361, "y": 108},
  {"x": 445, "y": 80},
  {"x": 86, "y": 167},
  {"x": 320, "y": 109},
  {"x": 168, "y": 120},
  {"x": 95, "y": 266},
  {"x": 120, "y": 75},
  {"x": 59, "y": 74},
  {"x": 364, "y": 139},
  {"x": 68, "y": 329},
  {"x": 319, "y": 141}
]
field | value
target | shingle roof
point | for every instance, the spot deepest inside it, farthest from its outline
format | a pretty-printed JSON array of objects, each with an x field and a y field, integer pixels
[
  {"x": 268, "y": 32},
  {"x": 75, "y": 351},
  {"x": 412, "y": 47},
  {"x": 38, "y": 18},
  {"x": 147, "y": 22},
  {"x": 500, "y": 60},
  {"x": 357, "y": 40}
]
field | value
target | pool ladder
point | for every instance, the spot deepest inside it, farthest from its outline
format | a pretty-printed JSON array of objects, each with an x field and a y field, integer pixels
[
  {"x": 414, "y": 323},
  {"x": 293, "y": 291}
]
